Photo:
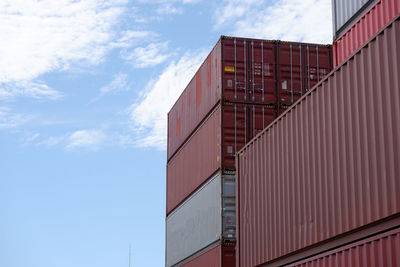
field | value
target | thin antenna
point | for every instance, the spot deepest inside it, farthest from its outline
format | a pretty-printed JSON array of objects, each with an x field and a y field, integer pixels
[{"x": 129, "y": 254}]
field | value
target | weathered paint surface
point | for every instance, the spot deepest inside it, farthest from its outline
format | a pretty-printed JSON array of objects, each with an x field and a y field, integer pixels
[
  {"x": 245, "y": 70},
  {"x": 330, "y": 164}
]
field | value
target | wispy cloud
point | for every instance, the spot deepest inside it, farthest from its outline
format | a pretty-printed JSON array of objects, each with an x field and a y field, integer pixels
[
  {"x": 43, "y": 36},
  {"x": 130, "y": 38},
  {"x": 90, "y": 139},
  {"x": 293, "y": 20},
  {"x": 149, "y": 114},
  {"x": 118, "y": 84},
  {"x": 150, "y": 55},
  {"x": 9, "y": 119},
  {"x": 38, "y": 90}
]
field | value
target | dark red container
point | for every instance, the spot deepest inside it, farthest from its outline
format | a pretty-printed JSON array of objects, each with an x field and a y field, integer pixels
[
  {"x": 373, "y": 19},
  {"x": 216, "y": 256},
  {"x": 378, "y": 250},
  {"x": 246, "y": 71},
  {"x": 330, "y": 164},
  {"x": 212, "y": 147},
  {"x": 301, "y": 66}
]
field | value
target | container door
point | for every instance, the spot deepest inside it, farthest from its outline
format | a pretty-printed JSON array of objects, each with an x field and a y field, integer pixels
[
  {"x": 261, "y": 68},
  {"x": 234, "y": 123},
  {"x": 235, "y": 61}
]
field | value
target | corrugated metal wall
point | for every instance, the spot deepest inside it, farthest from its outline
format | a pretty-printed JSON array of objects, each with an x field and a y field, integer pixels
[
  {"x": 344, "y": 10},
  {"x": 196, "y": 223},
  {"x": 330, "y": 164},
  {"x": 364, "y": 28},
  {"x": 195, "y": 162},
  {"x": 210, "y": 258},
  {"x": 197, "y": 100},
  {"x": 379, "y": 250}
]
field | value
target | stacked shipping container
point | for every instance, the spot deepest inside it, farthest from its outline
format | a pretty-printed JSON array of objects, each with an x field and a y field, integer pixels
[
  {"x": 356, "y": 21},
  {"x": 328, "y": 168},
  {"x": 237, "y": 92}
]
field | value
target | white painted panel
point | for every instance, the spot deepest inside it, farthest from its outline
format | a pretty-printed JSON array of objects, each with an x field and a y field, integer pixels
[{"x": 196, "y": 223}]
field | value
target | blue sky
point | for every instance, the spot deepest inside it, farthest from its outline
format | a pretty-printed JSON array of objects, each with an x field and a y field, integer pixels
[{"x": 85, "y": 86}]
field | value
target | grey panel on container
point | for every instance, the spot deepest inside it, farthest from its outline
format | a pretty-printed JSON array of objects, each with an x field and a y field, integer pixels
[
  {"x": 229, "y": 207},
  {"x": 345, "y": 11},
  {"x": 195, "y": 224}
]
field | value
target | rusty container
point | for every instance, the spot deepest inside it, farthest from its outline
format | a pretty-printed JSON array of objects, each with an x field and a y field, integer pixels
[
  {"x": 327, "y": 166},
  {"x": 251, "y": 71}
]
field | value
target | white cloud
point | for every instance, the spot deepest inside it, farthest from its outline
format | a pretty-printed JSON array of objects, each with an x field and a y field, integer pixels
[
  {"x": 130, "y": 38},
  {"x": 42, "y": 36},
  {"x": 9, "y": 119},
  {"x": 118, "y": 84},
  {"x": 151, "y": 55},
  {"x": 291, "y": 20},
  {"x": 149, "y": 114},
  {"x": 28, "y": 88},
  {"x": 85, "y": 139}
]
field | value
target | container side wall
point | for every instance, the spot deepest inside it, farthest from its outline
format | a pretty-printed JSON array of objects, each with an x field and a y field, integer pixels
[
  {"x": 374, "y": 19},
  {"x": 330, "y": 164},
  {"x": 379, "y": 250},
  {"x": 197, "y": 100},
  {"x": 198, "y": 159},
  {"x": 196, "y": 223},
  {"x": 211, "y": 258}
]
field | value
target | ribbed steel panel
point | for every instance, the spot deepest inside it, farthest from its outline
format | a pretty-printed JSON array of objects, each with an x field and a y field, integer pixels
[
  {"x": 241, "y": 70},
  {"x": 196, "y": 161},
  {"x": 215, "y": 256},
  {"x": 212, "y": 147},
  {"x": 374, "y": 19},
  {"x": 211, "y": 258},
  {"x": 330, "y": 164},
  {"x": 345, "y": 11},
  {"x": 196, "y": 223},
  {"x": 379, "y": 250},
  {"x": 196, "y": 101}
]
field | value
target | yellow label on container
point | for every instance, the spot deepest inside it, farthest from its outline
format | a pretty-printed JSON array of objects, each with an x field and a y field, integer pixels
[{"x": 230, "y": 68}]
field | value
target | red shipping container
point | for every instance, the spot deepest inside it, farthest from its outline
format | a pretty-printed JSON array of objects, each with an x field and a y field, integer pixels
[
  {"x": 212, "y": 147},
  {"x": 379, "y": 250},
  {"x": 301, "y": 66},
  {"x": 216, "y": 256},
  {"x": 330, "y": 164},
  {"x": 244, "y": 70},
  {"x": 374, "y": 19}
]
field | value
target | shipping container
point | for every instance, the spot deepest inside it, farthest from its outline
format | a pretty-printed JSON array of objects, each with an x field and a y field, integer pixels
[
  {"x": 360, "y": 20},
  {"x": 328, "y": 165},
  {"x": 346, "y": 12},
  {"x": 379, "y": 250},
  {"x": 246, "y": 71},
  {"x": 212, "y": 147},
  {"x": 206, "y": 217},
  {"x": 216, "y": 255}
]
